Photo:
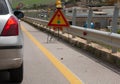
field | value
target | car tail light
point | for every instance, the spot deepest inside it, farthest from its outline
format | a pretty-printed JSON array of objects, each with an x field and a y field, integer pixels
[{"x": 11, "y": 27}]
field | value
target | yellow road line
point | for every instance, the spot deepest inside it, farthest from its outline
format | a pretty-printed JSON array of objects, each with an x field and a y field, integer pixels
[{"x": 62, "y": 68}]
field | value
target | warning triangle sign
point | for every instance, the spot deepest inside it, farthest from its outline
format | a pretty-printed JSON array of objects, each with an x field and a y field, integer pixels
[{"x": 58, "y": 20}]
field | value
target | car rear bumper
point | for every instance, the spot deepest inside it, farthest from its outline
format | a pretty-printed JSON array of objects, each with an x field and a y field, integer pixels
[{"x": 10, "y": 57}]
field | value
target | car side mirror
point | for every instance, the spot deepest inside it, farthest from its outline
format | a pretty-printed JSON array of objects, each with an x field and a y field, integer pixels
[{"x": 19, "y": 14}]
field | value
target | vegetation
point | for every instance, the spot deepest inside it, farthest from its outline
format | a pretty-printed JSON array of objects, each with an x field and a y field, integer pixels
[
  {"x": 118, "y": 31},
  {"x": 41, "y": 3},
  {"x": 31, "y": 3}
]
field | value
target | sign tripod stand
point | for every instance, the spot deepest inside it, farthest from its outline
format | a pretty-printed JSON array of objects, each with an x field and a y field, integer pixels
[{"x": 58, "y": 21}]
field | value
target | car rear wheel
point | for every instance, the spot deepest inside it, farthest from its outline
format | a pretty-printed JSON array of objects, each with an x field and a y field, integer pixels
[{"x": 16, "y": 75}]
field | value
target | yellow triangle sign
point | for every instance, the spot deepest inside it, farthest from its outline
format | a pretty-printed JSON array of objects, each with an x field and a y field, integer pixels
[{"x": 58, "y": 20}]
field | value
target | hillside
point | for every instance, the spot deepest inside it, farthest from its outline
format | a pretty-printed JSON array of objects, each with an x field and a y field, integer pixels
[{"x": 31, "y": 2}]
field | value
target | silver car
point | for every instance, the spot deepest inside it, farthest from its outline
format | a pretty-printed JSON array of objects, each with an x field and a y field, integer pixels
[{"x": 11, "y": 42}]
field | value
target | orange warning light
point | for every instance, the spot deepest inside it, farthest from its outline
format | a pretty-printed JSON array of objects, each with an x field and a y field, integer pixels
[{"x": 58, "y": 4}]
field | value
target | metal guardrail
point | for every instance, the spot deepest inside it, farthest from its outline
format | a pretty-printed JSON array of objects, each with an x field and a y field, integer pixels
[{"x": 107, "y": 38}]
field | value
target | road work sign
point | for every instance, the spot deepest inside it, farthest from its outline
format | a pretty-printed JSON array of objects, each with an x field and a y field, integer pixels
[{"x": 58, "y": 20}]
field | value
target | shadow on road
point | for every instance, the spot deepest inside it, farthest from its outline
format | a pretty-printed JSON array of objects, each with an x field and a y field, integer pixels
[{"x": 4, "y": 78}]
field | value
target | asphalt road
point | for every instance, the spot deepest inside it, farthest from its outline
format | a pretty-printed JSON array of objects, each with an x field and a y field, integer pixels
[{"x": 57, "y": 62}]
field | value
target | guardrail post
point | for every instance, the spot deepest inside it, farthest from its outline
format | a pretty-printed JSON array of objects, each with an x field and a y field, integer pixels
[
  {"x": 114, "y": 24},
  {"x": 89, "y": 19},
  {"x": 74, "y": 13}
]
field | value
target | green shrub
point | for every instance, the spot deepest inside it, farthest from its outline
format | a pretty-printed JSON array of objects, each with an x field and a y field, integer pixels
[{"x": 118, "y": 31}]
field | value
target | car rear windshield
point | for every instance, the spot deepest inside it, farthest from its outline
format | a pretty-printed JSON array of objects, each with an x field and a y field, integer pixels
[{"x": 3, "y": 7}]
